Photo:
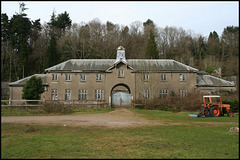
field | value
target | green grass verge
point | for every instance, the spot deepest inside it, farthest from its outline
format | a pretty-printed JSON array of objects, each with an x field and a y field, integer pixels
[
  {"x": 164, "y": 142},
  {"x": 168, "y": 116}
]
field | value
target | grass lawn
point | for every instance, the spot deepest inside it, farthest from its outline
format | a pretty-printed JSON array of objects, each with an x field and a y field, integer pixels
[
  {"x": 168, "y": 116},
  {"x": 35, "y": 112},
  {"x": 165, "y": 142}
]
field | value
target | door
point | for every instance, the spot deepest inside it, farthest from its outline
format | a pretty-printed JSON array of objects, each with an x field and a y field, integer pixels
[{"x": 120, "y": 99}]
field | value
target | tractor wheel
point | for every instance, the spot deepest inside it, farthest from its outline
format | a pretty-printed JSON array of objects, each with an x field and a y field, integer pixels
[
  {"x": 215, "y": 111},
  {"x": 230, "y": 114}
]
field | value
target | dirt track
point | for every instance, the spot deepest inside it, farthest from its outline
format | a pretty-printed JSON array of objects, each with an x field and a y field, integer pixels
[{"x": 115, "y": 119}]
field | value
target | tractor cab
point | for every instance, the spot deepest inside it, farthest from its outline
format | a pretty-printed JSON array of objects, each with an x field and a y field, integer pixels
[{"x": 211, "y": 101}]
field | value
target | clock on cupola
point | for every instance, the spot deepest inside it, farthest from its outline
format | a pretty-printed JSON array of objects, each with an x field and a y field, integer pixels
[{"x": 121, "y": 54}]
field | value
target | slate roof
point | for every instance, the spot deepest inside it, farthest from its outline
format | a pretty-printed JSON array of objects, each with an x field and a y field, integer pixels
[
  {"x": 211, "y": 81},
  {"x": 22, "y": 82},
  {"x": 136, "y": 64},
  {"x": 159, "y": 65}
]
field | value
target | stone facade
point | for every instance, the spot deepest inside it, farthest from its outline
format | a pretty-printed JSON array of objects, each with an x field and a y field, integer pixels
[{"x": 142, "y": 79}]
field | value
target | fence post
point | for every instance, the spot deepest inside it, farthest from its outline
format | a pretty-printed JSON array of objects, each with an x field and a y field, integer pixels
[{"x": 10, "y": 103}]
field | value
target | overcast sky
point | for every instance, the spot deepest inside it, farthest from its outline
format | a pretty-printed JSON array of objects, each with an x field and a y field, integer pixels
[{"x": 201, "y": 17}]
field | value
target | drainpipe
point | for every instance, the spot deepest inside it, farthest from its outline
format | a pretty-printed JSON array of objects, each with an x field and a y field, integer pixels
[{"x": 135, "y": 90}]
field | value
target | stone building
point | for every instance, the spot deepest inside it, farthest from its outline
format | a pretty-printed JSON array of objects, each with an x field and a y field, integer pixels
[
  {"x": 214, "y": 85},
  {"x": 117, "y": 82}
]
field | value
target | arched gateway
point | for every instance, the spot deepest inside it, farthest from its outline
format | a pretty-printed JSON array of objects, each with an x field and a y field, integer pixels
[{"x": 121, "y": 96}]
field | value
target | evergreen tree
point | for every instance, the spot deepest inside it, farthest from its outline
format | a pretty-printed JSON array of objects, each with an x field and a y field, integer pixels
[
  {"x": 52, "y": 57},
  {"x": 148, "y": 22},
  {"x": 33, "y": 89},
  {"x": 20, "y": 33},
  {"x": 151, "y": 49},
  {"x": 59, "y": 24},
  {"x": 63, "y": 21},
  {"x": 36, "y": 28},
  {"x": 4, "y": 27},
  {"x": 213, "y": 47},
  {"x": 149, "y": 26},
  {"x": 23, "y": 56}
]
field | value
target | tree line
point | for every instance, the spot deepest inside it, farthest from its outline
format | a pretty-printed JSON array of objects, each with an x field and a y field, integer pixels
[{"x": 29, "y": 47}]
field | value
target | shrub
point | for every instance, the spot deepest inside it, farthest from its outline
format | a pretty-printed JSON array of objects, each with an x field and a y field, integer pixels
[
  {"x": 139, "y": 107},
  {"x": 56, "y": 108},
  {"x": 33, "y": 89},
  {"x": 191, "y": 102},
  {"x": 233, "y": 103},
  {"x": 175, "y": 103}
]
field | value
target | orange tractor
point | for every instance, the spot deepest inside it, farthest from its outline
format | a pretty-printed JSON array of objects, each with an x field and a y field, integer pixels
[{"x": 212, "y": 107}]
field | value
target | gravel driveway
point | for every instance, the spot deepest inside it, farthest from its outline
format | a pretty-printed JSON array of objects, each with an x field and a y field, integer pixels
[{"x": 118, "y": 118}]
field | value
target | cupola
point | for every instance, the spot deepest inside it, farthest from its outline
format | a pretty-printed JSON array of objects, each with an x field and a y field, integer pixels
[{"x": 121, "y": 54}]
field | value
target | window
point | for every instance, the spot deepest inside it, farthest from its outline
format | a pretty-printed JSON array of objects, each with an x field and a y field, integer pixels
[
  {"x": 82, "y": 77},
  {"x": 98, "y": 94},
  {"x": 163, "y": 77},
  {"x": 54, "y": 77},
  {"x": 215, "y": 100},
  {"x": 67, "y": 94},
  {"x": 163, "y": 93},
  {"x": 98, "y": 77},
  {"x": 54, "y": 94},
  {"x": 207, "y": 100},
  {"x": 67, "y": 77},
  {"x": 82, "y": 94},
  {"x": 182, "y": 77},
  {"x": 120, "y": 73},
  {"x": 146, "y": 94},
  {"x": 146, "y": 77},
  {"x": 182, "y": 92}
]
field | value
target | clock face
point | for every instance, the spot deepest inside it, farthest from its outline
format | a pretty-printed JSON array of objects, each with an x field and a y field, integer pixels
[{"x": 120, "y": 55}]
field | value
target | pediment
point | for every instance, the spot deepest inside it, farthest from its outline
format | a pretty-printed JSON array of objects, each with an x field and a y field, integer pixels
[{"x": 116, "y": 64}]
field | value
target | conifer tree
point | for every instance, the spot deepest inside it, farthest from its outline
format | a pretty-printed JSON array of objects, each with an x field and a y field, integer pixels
[
  {"x": 151, "y": 49},
  {"x": 52, "y": 57}
]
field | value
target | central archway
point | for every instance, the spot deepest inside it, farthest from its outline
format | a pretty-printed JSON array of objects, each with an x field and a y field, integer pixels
[{"x": 121, "y": 96}]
